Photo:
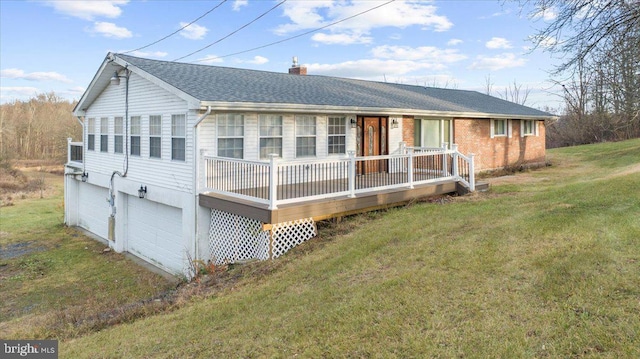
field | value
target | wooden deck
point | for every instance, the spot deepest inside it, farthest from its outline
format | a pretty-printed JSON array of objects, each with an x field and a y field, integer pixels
[{"x": 320, "y": 209}]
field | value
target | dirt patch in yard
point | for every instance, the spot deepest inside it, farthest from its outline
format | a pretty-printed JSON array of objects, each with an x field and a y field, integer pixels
[{"x": 15, "y": 250}]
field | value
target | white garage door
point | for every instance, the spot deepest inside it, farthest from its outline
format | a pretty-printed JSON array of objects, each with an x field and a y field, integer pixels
[
  {"x": 93, "y": 209},
  {"x": 155, "y": 233}
]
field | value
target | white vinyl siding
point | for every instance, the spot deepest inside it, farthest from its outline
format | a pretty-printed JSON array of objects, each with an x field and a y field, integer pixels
[
  {"x": 135, "y": 135},
  {"x": 230, "y": 135},
  {"x": 337, "y": 131},
  {"x": 91, "y": 134},
  {"x": 178, "y": 137},
  {"x": 118, "y": 130},
  {"x": 155, "y": 136},
  {"x": 270, "y": 135},
  {"x": 104, "y": 134},
  {"x": 305, "y": 136}
]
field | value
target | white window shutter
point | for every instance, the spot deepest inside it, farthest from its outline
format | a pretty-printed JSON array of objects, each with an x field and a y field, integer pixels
[
  {"x": 509, "y": 129},
  {"x": 522, "y": 126}
]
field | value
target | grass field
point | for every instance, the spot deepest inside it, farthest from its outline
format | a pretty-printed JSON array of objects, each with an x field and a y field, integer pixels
[{"x": 546, "y": 264}]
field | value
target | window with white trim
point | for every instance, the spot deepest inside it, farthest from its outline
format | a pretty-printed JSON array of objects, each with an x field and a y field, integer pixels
[
  {"x": 230, "y": 135},
  {"x": 305, "y": 136},
  {"x": 337, "y": 135},
  {"x": 104, "y": 134},
  {"x": 91, "y": 134},
  {"x": 499, "y": 128},
  {"x": 118, "y": 130},
  {"x": 529, "y": 128},
  {"x": 270, "y": 135},
  {"x": 178, "y": 137},
  {"x": 431, "y": 133},
  {"x": 155, "y": 136},
  {"x": 135, "y": 135}
]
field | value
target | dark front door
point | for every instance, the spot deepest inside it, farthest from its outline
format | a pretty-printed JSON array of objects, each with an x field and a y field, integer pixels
[{"x": 373, "y": 141}]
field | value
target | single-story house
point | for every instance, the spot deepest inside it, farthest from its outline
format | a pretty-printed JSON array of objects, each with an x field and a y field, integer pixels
[{"x": 183, "y": 161}]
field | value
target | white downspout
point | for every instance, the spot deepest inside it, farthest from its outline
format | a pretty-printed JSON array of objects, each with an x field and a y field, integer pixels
[{"x": 196, "y": 171}]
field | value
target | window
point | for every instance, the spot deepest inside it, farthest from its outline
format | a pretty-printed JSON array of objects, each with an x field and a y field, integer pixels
[
  {"x": 305, "y": 136},
  {"x": 498, "y": 128},
  {"x": 528, "y": 128},
  {"x": 178, "y": 137},
  {"x": 104, "y": 134},
  {"x": 270, "y": 135},
  {"x": 91, "y": 134},
  {"x": 431, "y": 133},
  {"x": 118, "y": 130},
  {"x": 337, "y": 133},
  {"x": 230, "y": 135},
  {"x": 135, "y": 135},
  {"x": 155, "y": 136}
]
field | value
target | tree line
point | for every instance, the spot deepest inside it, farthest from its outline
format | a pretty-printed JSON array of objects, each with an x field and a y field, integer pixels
[
  {"x": 599, "y": 42},
  {"x": 37, "y": 129}
]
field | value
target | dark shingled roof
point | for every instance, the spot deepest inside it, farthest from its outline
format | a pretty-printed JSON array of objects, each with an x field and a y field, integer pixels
[{"x": 224, "y": 84}]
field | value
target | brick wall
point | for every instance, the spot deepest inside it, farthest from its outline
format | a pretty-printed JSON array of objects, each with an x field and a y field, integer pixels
[
  {"x": 407, "y": 130},
  {"x": 474, "y": 136}
]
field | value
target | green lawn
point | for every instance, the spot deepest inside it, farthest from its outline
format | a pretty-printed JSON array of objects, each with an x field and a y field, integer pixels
[
  {"x": 66, "y": 285},
  {"x": 546, "y": 264}
]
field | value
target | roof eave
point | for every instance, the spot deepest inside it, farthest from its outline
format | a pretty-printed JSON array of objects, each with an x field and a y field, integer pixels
[{"x": 219, "y": 106}]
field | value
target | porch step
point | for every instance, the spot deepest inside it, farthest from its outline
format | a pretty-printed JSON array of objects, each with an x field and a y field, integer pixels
[{"x": 480, "y": 187}]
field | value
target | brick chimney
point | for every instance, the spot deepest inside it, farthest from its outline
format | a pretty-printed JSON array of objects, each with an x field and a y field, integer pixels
[{"x": 296, "y": 69}]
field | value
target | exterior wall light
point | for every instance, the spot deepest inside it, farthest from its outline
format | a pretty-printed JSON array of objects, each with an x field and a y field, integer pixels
[
  {"x": 394, "y": 123},
  {"x": 353, "y": 122},
  {"x": 115, "y": 79},
  {"x": 142, "y": 192},
  {"x": 84, "y": 177}
]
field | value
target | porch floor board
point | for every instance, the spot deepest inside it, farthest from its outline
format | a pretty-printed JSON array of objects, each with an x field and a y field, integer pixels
[{"x": 325, "y": 208}]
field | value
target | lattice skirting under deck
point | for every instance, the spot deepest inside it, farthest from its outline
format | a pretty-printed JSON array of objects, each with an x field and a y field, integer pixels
[{"x": 233, "y": 238}]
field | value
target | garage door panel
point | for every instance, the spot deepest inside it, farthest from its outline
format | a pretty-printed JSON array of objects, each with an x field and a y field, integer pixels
[
  {"x": 93, "y": 209},
  {"x": 155, "y": 233}
]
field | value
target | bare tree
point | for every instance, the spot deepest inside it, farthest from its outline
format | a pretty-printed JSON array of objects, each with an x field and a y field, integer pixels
[{"x": 515, "y": 93}]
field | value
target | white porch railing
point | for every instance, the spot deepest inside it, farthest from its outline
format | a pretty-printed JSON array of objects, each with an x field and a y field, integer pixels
[{"x": 277, "y": 182}]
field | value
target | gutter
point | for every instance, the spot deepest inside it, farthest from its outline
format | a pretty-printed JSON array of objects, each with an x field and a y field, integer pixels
[{"x": 196, "y": 162}]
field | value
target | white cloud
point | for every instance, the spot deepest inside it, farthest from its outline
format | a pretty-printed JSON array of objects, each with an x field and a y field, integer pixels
[
  {"x": 239, "y": 4},
  {"x": 371, "y": 69},
  {"x": 210, "y": 59},
  {"x": 154, "y": 54},
  {"x": 193, "y": 31},
  {"x": 12, "y": 93},
  {"x": 33, "y": 76},
  {"x": 400, "y": 14},
  {"x": 546, "y": 14},
  {"x": 431, "y": 54},
  {"x": 342, "y": 39},
  {"x": 454, "y": 42},
  {"x": 498, "y": 43},
  {"x": 499, "y": 62},
  {"x": 257, "y": 60},
  {"x": 88, "y": 10},
  {"x": 108, "y": 29}
]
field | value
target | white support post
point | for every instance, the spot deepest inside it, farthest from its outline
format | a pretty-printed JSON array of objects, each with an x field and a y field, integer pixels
[
  {"x": 68, "y": 149},
  {"x": 410, "y": 168},
  {"x": 472, "y": 173},
  {"x": 351, "y": 174},
  {"x": 273, "y": 181},
  {"x": 454, "y": 148},
  {"x": 444, "y": 159}
]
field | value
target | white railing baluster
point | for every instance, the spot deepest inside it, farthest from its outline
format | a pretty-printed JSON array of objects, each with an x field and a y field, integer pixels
[{"x": 351, "y": 174}]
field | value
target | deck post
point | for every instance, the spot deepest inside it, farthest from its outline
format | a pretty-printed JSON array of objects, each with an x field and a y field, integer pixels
[
  {"x": 472, "y": 173},
  {"x": 454, "y": 158},
  {"x": 351, "y": 174},
  {"x": 444, "y": 159},
  {"x": 273, "y": 181},
  {"x": 68, "y": 149},
  {"x": 410, "y": 153}
]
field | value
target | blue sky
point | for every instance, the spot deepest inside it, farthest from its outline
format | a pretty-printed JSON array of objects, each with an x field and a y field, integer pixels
[{"x": 59, "y": 45}]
